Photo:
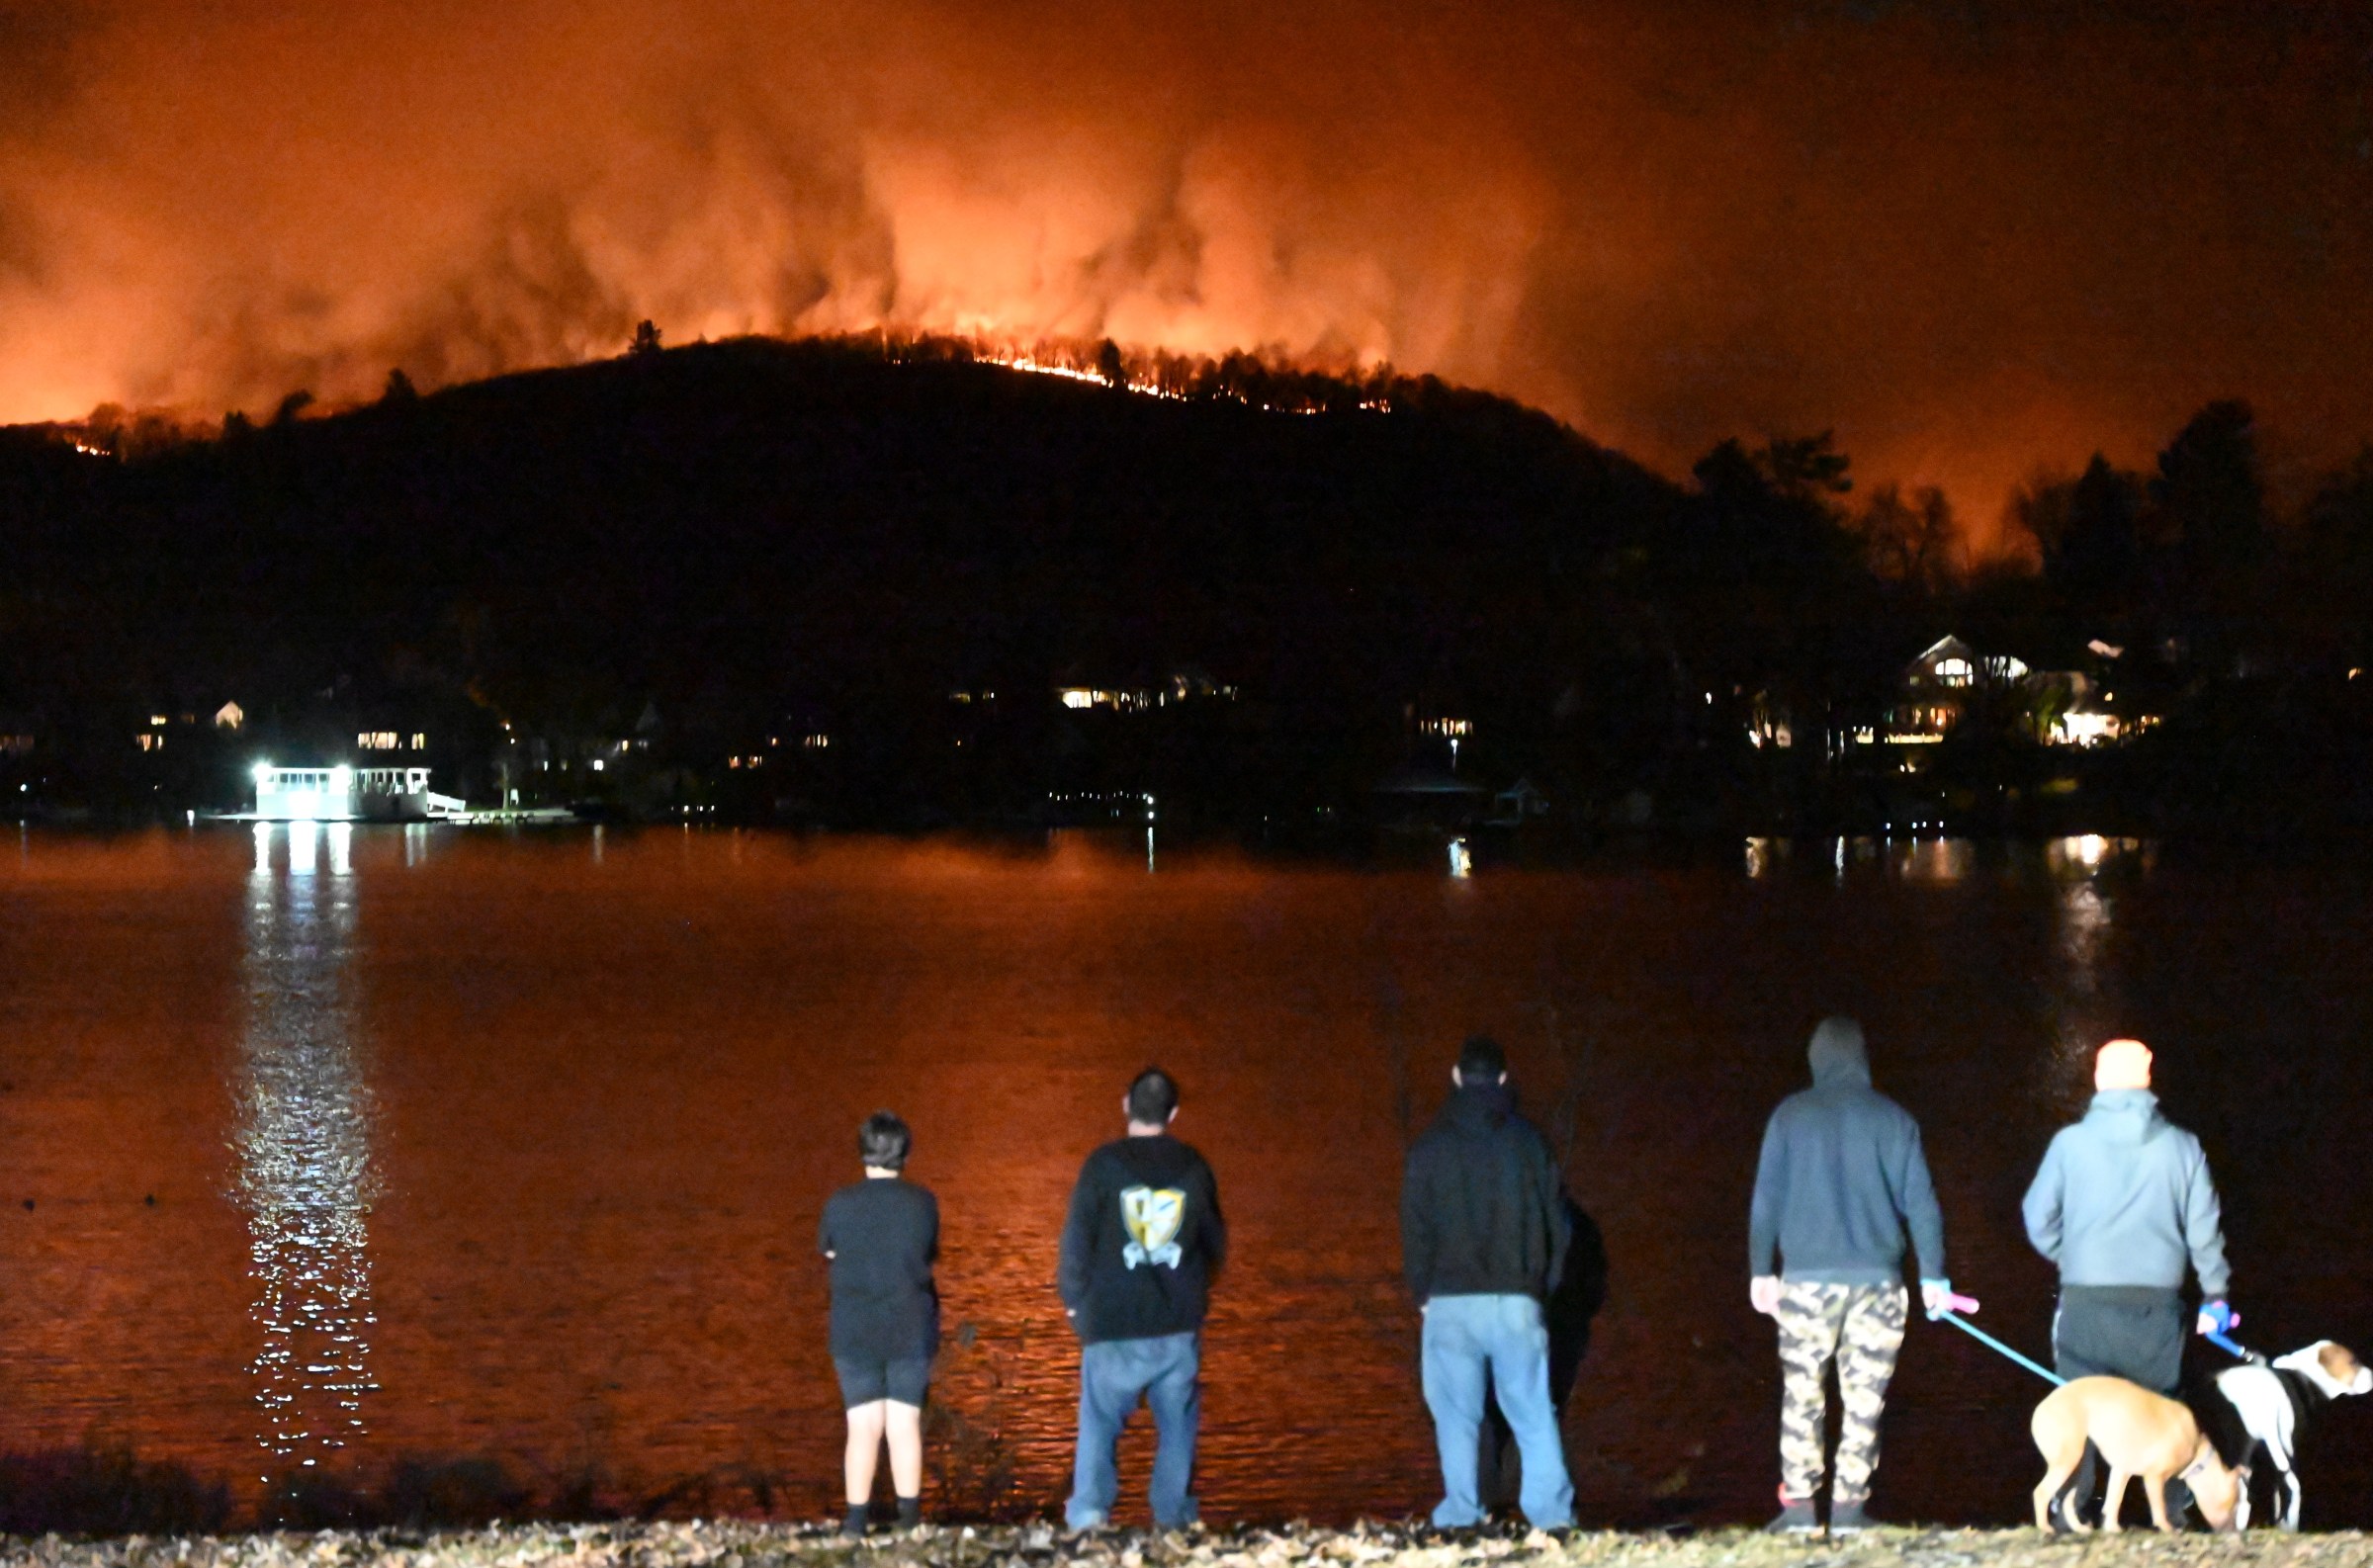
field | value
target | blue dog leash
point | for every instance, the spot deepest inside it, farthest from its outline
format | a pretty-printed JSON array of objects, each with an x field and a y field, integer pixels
[
  {"x": 1957, "y": 1305},
  {"x": 1952, "y": 1312},
  {"x": 2239, "y": 1352},
  {"x": 2220, "y": 1313}
]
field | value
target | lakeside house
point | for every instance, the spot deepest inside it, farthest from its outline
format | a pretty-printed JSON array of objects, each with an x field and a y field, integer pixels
[
  {"x": 2057, "y": 707},
  {"x": 1942, "y": 686},
  {"x": 1422, "y": 798},
  {"x": 1185, "y": 683},
  {"x": 345, "y": 793},
  {"x": 1519, "y": 803}
]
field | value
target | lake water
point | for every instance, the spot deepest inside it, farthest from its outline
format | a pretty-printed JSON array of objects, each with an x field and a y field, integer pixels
[{"x": 331, "y": 1148}]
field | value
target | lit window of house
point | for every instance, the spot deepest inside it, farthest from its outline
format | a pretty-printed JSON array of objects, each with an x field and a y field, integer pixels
[
  {"x": 376, "y": 741},
  {"x": 1453, "y": 728},
  {"x": 2086, "y": 728},
  {"x": 420, "y": 741},
  {"x": 149, "y": 740},
  {"x": 15, "y": 744},
  {"x": 1098, "y": 697},
  {"x": 229, "y": 716},
  {"x": 816, "y": 742}
]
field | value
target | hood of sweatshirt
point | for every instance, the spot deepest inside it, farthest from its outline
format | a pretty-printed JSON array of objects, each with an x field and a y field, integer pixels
[
  {"x": 2124, "y": 1115},
  {"x": 1837, "y": 1054},
  {"x": 1161, "y": 1159},
  {"x": 1479, "y": 1108}
]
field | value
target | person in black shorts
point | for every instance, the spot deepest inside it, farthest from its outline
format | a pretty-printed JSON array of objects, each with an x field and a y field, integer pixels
[{"x": 882, "y": 1235}]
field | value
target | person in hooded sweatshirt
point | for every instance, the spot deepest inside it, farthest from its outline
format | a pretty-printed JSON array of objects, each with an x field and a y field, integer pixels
[
  {"x": 1841, "y": 1178},
  {"x": 1140, "y": 1246},
  {"x": 1483, "y": 1240},
  {"x": 2122, "y": 1204}
]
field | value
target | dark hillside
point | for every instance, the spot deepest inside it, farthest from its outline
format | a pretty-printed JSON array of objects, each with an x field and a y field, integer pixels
[
  {"x": 850, "y": 582},
  {"x": 729, "y": 532}
]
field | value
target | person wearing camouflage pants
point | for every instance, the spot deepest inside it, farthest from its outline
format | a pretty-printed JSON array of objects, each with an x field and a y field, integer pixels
[
  {"x": 1841, "y": 1179},
  {"x": 1860, "y": 1328}
]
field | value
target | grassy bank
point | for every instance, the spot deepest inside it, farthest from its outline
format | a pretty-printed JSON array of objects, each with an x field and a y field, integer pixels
[{"x": 727, "y": 1545}]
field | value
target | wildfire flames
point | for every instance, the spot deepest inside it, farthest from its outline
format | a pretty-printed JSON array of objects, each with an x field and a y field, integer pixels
[{"x": 1969, "y": 246}]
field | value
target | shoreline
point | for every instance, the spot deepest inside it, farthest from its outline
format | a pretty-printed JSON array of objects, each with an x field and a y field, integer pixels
[{"x": 728, "y": 1543}]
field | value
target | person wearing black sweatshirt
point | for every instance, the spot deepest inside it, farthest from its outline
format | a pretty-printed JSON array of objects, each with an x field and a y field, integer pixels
[
  {"x": 1140, "y": 1246},
  {"x": 1483, "y": 1239},
  {"x": 1841, "y": 1176},
  {"x": 880, "y": 1237}
]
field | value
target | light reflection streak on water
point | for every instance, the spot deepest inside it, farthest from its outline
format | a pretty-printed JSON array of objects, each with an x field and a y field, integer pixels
[
  {"x": 305, "y": 1176},
  {"x": 2086, "y": 914},
  {"x": 1939, "y": 861}
]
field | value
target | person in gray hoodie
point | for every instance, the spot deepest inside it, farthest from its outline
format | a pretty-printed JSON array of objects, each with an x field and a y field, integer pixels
[
  {"x": 1841, "y": 1179},
  {"x": 2123, "y": 1205}
]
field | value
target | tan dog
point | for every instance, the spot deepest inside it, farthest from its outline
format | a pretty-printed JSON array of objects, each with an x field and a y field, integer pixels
[{"x": 2139, "y": 1433}]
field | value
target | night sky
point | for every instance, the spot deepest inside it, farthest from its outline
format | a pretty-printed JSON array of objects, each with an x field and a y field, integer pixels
[{"x": 1973, "y": 237}]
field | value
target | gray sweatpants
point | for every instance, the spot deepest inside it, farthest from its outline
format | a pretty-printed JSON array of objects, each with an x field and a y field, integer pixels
[{"x": 2134, "y": 1332}]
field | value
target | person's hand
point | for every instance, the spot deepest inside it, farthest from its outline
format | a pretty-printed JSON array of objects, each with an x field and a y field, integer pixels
[
  {"x": 1936, "y": 1296},
  {"x": 2216, "y": 1317},
  {"x": 1762, "y": 1294}
]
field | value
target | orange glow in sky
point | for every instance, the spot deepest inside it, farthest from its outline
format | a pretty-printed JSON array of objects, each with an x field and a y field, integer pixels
[{"x": 1974, "y": 243}]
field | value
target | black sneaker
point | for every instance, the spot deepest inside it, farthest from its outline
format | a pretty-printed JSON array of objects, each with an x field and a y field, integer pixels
[
  {"x": 1847, "y": 1519},
  {"x": 2066, "y": 1519},
  {"x": 853, "y": 1524},
  {"x": 1795, "y": 1518}
]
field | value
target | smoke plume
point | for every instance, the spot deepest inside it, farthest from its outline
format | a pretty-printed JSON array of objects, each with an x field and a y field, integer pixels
[{"x": 1971, "y": 238}]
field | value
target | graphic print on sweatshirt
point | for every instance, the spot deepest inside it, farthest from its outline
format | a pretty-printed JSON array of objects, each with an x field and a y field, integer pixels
[{"x": 1152, "y": 1217}]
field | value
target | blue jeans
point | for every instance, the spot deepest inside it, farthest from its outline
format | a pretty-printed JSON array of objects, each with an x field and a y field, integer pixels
[
  {"x": 1114, "y": 1374},
  {"x": 1464, "y": 1336}
]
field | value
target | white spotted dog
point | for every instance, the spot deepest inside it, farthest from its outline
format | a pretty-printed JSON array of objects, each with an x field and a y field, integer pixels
[{"x": 2273, "y": 1400}]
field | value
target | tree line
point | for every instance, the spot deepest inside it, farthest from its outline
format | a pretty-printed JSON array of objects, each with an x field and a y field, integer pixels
[{"x": 752, "y": 538}]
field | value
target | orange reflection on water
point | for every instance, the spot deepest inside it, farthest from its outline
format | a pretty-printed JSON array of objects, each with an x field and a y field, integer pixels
[{"x": 514, "y": 1147}]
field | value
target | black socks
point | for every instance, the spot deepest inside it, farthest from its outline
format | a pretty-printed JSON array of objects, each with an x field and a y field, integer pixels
[{"x": 910, "y": 1514}]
